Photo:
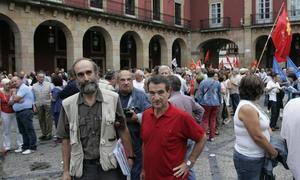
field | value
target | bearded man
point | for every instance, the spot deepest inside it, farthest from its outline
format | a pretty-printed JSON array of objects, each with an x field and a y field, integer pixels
[{"x": 89, "y": 124}]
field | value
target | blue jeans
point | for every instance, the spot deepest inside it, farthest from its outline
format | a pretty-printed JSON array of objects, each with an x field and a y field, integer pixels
[
  {"x": 247, "y": 168},
  {"x": 190, "y": 146},
  {"x": 235, "y": 99},
  {"x": 25, "y": 125}
]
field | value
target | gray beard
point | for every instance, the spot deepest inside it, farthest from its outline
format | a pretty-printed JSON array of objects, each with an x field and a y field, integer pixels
[{"x": 88, "y": 87}]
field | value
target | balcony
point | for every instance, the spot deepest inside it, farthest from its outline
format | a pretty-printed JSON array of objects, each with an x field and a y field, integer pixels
[
  {"x": 269, "y": 18},
  {"x": 118, "y": 10},
  {"x": 215, "y": 24}
]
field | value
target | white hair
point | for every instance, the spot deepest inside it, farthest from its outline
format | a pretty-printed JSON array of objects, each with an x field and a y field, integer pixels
[{"x": 139, "y": 72}]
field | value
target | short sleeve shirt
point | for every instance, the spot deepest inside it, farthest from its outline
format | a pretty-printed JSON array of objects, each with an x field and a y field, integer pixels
[
  {"x": 290, "y": 132},
  {"x": 27, "y": 98},
  {"x": 165, "y": 141},
  {"x": 89, "y": 119}
]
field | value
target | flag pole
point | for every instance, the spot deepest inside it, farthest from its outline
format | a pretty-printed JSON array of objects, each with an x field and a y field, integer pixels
[{"x": 262, "y": 53}]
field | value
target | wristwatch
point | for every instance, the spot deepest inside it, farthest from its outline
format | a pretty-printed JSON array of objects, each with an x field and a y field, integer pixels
[{"x": 189, "y": 164}]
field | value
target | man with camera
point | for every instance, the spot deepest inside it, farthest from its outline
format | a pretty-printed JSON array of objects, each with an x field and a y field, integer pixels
[{"x": 134, "y": 102}]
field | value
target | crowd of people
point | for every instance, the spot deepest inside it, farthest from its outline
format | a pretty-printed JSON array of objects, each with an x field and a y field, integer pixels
[{"x": 163, "y": 117}]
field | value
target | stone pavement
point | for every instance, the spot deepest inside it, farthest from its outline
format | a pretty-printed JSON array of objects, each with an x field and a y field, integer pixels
[{"x": 215, "y": 163}]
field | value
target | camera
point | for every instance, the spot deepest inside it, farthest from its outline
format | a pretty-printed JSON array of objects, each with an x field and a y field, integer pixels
[{"x": 128, "y": 112}]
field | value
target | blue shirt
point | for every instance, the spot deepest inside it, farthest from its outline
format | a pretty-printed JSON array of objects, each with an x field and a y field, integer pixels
[
  {"x": 209, "y": 92},
  {"x": 27, "y": 98}
]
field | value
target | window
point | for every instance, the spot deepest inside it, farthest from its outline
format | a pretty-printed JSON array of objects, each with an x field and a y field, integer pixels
[
  {"x": 215, "y": 14},
  {"x": 294, "y": 8},
  {"x": 264, "y": 11},
  {"x": 96, "y": 4},
  {"x": 177, "y": 14},
  {"x": 129, "y": 7},
  {"x": 156, "y": 10}
]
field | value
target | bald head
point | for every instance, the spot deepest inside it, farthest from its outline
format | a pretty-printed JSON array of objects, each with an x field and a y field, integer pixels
[
  {"x": 125, "y": 82},
  {"x": 139, "y": 75},
  {"x": 164, "y": 70},
  {"x": 84, "y": 61}
]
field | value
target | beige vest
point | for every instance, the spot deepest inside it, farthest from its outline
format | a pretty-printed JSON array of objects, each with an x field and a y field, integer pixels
[
  {"x": 42, "y": 94},
  {"x": 107, "y": 158}
]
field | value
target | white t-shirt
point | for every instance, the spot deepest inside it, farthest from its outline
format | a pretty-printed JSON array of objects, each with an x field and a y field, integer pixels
[
  {"x": 139, "y": 85},
  {"x": 274, "y": 91},
  {"x": 244, "y": 144},
  {"x": 290, "y": 132}
]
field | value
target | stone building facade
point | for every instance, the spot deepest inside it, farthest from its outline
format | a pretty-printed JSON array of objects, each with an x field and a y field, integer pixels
[{"x": 117, "y": 34}]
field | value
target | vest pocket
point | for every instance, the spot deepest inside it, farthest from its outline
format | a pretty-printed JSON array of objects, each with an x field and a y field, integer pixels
[
  {"x": 76, "y": 163},
  {"x": 107, "y": 157}
]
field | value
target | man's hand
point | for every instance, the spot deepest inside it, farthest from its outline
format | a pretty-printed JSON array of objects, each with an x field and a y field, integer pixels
[
  {"x": 130, "y": 163},
  {"x": 133, "y": 118},
  {"x": 181, "y": 170},
  {"x": 142, "y": 175},
  {"x": 66, "y": 176},
  {"x": 34, "y": 108}
]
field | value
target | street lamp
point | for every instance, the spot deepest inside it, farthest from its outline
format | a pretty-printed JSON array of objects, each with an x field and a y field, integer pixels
[
  {"x": 50, "y": 35},
  {"x": 129, "y": 42},
  {"x": 95, "y": 39}
]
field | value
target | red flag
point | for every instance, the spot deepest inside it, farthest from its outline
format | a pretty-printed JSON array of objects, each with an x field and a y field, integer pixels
[
  {"x": 193, "y": 65},
  {"x": 228, "y": 61},
  {"x": 253, "y": 64},
  {"x": 206, "y": 59},
  {"x": 236, "y": 62},
  {"x": 282, "y": 36}
]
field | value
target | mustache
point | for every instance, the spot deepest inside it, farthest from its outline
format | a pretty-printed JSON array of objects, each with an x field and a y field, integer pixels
[{"x": 88, "y": 87}]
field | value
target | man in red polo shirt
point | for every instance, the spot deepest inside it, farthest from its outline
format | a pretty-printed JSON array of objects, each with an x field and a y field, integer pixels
[{"x": 165, "y": 131}]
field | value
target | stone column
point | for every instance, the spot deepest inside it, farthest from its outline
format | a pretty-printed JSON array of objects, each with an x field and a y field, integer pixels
[
  {"x": 166, "y": 52},
  {"x": 114, "y": 63},
  {"x": 25, "y": 49},
  {"x": 143, "y": 57},
  {"x": 249, "y": 52},
  {"x": 74, "y": 46}
]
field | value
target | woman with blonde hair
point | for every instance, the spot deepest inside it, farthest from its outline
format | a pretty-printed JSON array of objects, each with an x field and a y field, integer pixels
[{"x": 8, "y": 117}]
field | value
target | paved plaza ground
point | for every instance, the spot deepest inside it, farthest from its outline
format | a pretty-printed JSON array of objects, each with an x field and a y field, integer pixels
[{"x": 215, "y": 163}]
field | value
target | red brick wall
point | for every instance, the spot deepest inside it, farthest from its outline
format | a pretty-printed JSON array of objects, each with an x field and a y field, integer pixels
[
  {"x": 199, "y": 10},
  {"x": 187, "y": 9},
  {"x": 115, "y": 7},
  {"x": 235, "y": 10},
  {"x": 77, "y": 3}
]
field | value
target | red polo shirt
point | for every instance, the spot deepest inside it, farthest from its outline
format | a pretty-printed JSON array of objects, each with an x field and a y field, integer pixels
[{"x": 165, "y": 141}]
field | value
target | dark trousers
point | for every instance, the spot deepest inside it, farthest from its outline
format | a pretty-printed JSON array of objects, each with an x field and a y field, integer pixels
[
  {"x": 274, "y": 114},
  {"x": 25, "y": 125},
  {"x": 235, "y": 99},
  {"x": 94, "y": 171},
  {"x": 56, "y": 118},
  {"x": 134, "y": 130}
]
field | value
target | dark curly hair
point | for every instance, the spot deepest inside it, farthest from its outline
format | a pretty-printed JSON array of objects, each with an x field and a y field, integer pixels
[{"x": 251, "y": 87}]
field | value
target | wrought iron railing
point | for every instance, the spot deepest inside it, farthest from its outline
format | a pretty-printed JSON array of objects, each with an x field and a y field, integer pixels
[
  {"x": 215, "y": 23},
  {"x": 269, "y": 18}
]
